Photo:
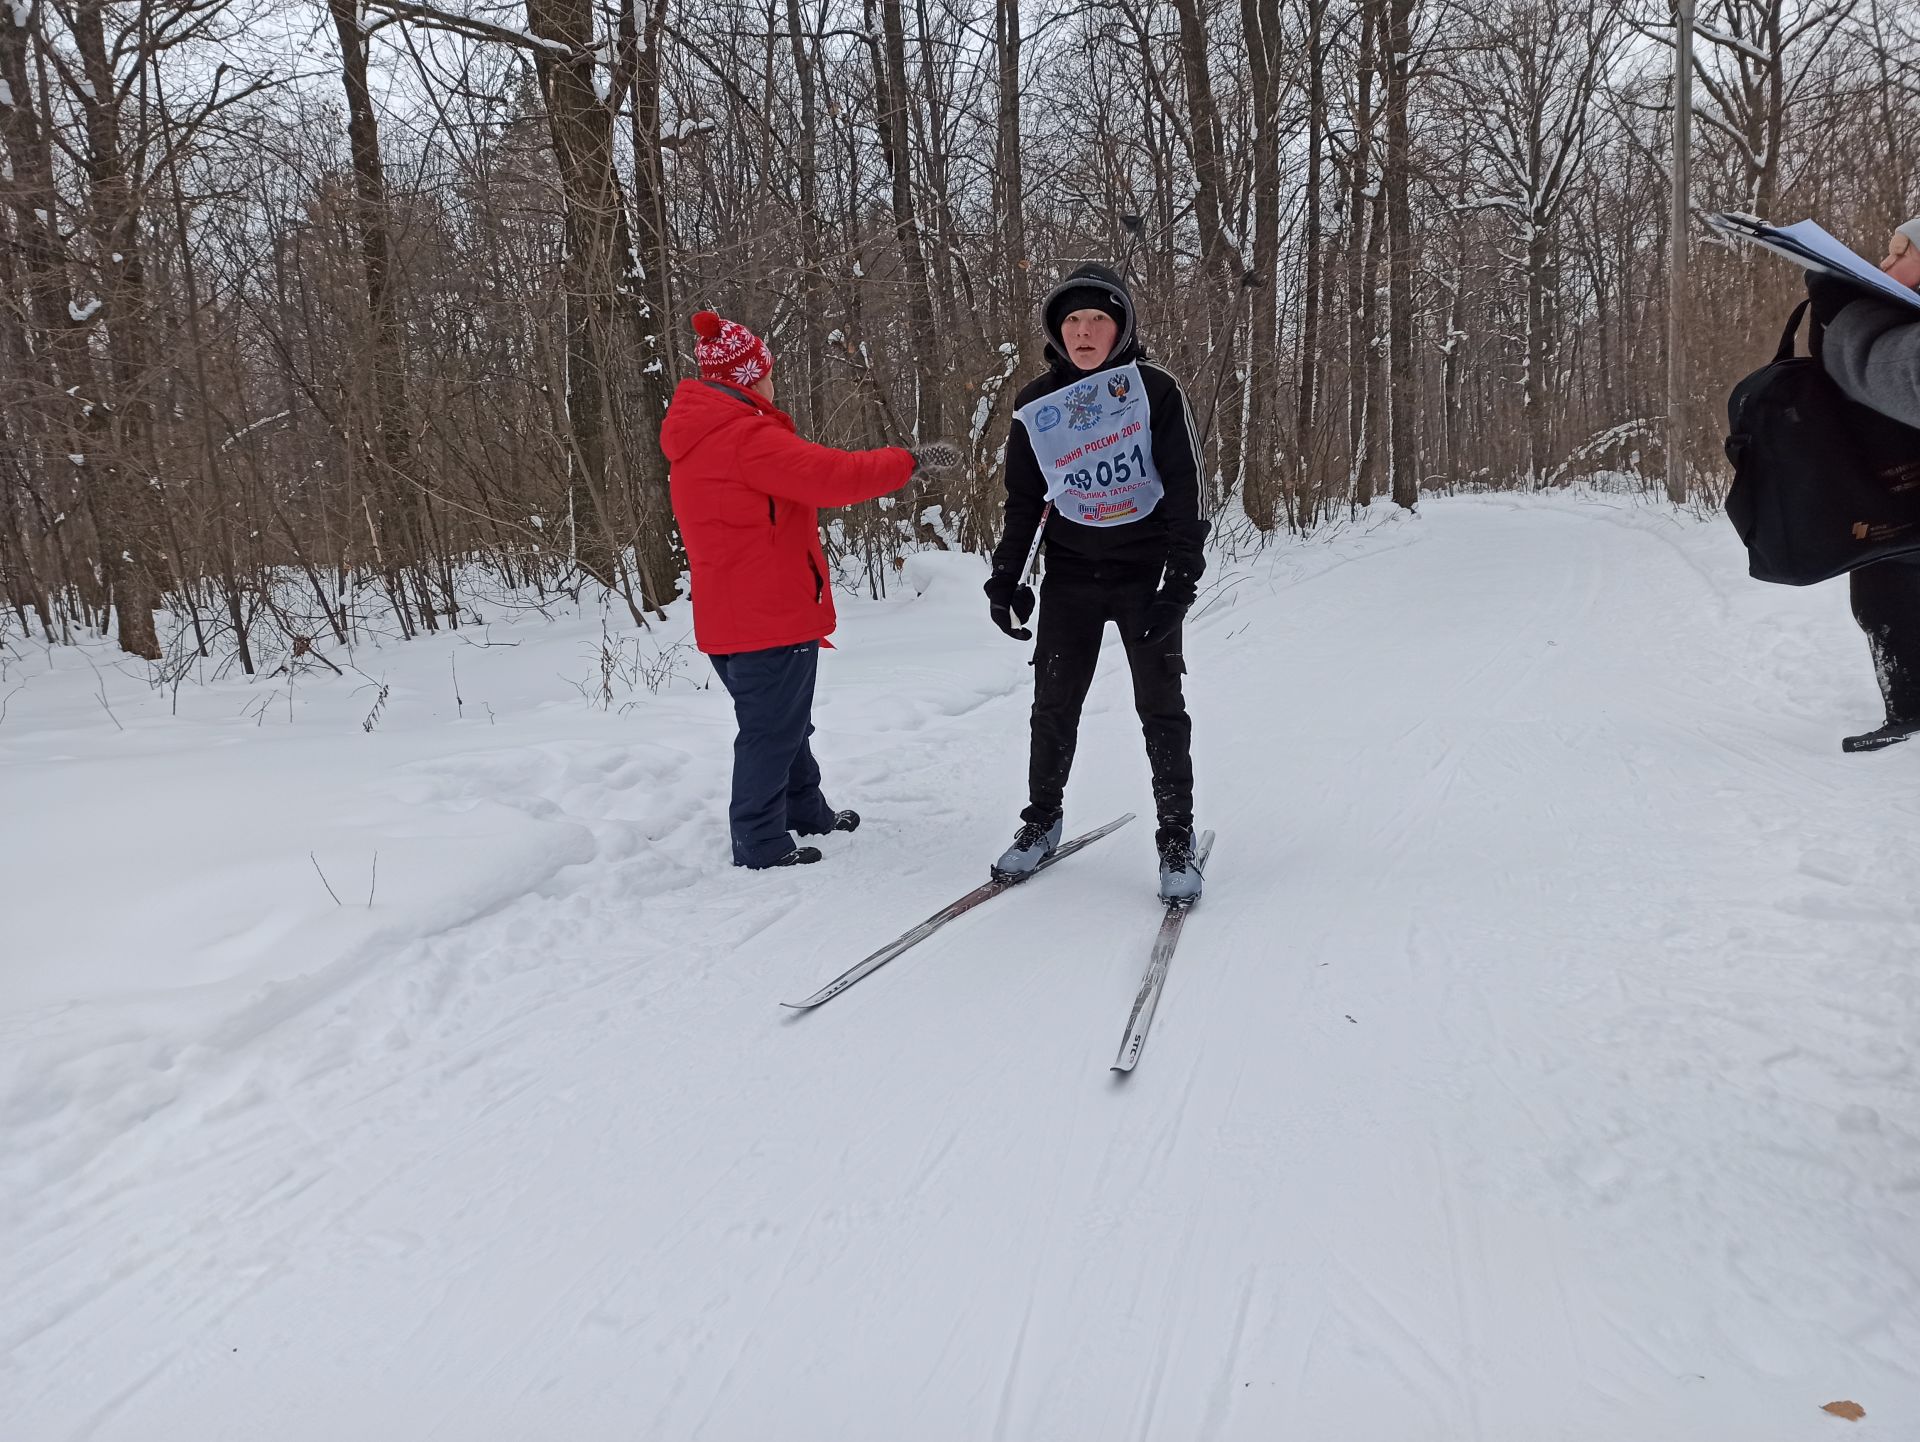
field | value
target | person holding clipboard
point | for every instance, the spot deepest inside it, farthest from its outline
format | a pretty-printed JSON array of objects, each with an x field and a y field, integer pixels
[{"x": 1870, "y": 349}]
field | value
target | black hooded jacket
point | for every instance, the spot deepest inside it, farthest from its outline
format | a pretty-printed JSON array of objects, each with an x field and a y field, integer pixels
[{"x": 1166, "y": 541}]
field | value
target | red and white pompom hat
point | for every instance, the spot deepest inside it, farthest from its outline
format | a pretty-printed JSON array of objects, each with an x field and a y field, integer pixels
[{"x": 728, "y": 351}]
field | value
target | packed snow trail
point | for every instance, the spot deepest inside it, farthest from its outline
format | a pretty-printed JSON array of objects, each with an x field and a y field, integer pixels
[{"x": 1541, "y": 1064}]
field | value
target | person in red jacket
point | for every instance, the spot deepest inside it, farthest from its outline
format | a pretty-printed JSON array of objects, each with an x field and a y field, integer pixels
[{"x": 747, "y": 491}]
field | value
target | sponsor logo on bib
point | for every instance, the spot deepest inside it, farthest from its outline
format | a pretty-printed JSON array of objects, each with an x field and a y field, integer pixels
[{"x": 1083, "y": 408}]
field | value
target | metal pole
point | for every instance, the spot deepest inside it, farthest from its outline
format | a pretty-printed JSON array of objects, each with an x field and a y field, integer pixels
[{"x": 1677, "y": 266}]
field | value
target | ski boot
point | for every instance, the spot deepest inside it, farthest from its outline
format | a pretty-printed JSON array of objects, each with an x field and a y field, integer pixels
[
  {"x": 1892, "y": 733},
  {"x": 1033, "y": 843},
  {"x": 1179, "y": 868}
]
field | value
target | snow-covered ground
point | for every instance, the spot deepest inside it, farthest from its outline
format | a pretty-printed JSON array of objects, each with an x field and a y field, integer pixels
[{"x": 1541, "y": 1064}]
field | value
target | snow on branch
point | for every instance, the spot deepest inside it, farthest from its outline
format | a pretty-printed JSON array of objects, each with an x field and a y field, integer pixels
[
  {"x": 687, "y": 129},
  {"x": 1489, "y": 202},
  {"x": 472, "y": 28},
  {"x": 1732, "y": 42},
  {"x": 247, "y": 430}
]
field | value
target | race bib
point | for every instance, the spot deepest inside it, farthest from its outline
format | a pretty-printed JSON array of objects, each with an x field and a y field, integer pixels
[{"x": 1094, "y": 442}]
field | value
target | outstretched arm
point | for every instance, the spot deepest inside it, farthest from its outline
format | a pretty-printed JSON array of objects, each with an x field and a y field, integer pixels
[{"x": 779, "y": 463}]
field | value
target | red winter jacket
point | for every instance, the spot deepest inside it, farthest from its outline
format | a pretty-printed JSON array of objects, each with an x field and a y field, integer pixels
[{"x": 746, "y": 492}]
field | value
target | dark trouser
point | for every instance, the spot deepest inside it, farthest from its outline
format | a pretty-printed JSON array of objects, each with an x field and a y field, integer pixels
[
  {"x": 1073, "y": 614},
  {"x": 1886, "y": 603},
  {"x": 776, "y": 783}
]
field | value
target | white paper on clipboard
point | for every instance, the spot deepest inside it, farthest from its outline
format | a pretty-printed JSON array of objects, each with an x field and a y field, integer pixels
[{"x": 1809, "y": 244}]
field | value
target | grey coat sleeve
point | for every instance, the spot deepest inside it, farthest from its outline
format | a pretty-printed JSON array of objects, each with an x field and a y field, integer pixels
[{"x": 1872, "y": 351}]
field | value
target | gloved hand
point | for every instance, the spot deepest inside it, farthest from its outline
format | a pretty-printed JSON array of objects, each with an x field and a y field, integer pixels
[
  {"x": 1007, "y": 599},
  {"x": 1829, "y": 295},
  {"x": 1167, "y": 610},
  {"x": 936, "y": 457}
]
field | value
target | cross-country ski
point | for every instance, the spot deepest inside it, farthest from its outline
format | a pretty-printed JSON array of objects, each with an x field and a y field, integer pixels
[
  {"x": 1148, "y": 998},
  {"x": 998, "y": 883}
]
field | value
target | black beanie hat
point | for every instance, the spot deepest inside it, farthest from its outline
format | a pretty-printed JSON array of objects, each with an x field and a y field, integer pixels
[
  {"x": 1090, "y": 287},
  {"x": 1063, "y": 303}
]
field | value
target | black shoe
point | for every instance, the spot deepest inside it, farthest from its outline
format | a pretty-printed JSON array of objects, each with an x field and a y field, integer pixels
[
  {"x": 846, "y": 821},
  {"x": 1890, "y": 734},
  {"x": 799, "y": 856}
]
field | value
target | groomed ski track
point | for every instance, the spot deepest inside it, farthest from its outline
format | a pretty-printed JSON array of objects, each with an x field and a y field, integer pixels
[{"x": 1539, "y": 1068}]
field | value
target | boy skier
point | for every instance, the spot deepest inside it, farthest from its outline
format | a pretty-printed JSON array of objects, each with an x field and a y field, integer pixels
[{"x": 1103, "y": 452}]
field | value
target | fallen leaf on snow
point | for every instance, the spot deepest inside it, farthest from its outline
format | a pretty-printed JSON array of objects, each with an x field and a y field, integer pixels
[{"x": 1852, "y": 1411}]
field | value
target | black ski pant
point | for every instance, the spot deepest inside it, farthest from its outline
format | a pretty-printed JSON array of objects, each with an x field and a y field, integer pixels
[
  {"x": 776, "y": 782},
  {"x": 1074, "y": 612},
  {"x": 1886, "y": 603}
]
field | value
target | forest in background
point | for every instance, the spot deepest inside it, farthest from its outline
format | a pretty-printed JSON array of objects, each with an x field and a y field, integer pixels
[{"x": 312, "y": 313}]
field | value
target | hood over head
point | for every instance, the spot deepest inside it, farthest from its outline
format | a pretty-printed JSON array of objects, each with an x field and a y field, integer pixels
[
  {"x": 1090, "y": 287},
  {"x": 702, "y": 407}
]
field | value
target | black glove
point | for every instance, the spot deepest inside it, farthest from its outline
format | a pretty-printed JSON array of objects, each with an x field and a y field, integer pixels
[
  {"x": 1167, "y": 610},
  {"x": 1829, "y": 295},
  {"x": 1007, "y": 599}
]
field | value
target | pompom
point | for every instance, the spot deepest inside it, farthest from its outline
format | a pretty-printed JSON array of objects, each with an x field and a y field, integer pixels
[{"x": 706, "y": 324}]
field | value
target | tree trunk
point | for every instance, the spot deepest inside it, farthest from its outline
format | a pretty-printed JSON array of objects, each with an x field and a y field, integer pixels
[
  {"x": 1260, "y": 493},
  {"x": 812, "y": 277},
  {"x": 606, "y": 466},
  {"x": 1534, "y": 390},
  {"x": 1010, "y": 189},
  {"x": 1304, "y": 417},
  {"x": 388, "y": 442},
  {"x": 113, "y": 216},
  {"x": 1219, "y": 265},
  {"x": 1372, "y": 391},
  {"x": 1398, "y": 179},
  {"x": 1450, "y": 372},
  {"x": 930, "y": 420},
  {"x": 1362, "y": 265},
  {"x": 646, "y": 295}
]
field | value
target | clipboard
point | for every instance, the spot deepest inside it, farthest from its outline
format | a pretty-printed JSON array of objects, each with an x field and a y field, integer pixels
[{"x": 1809, "y": 245}]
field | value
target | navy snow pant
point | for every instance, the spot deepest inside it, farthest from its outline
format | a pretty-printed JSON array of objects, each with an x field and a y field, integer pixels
[
  {"x": 1886, "y": 603},
  {"x": 776, "y": 782},
  {"x": 1074, "y": 612}
]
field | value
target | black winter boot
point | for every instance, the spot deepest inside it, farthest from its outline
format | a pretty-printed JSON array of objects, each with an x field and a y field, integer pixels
[
  {"x": 1891, "y": 733},
  {"x": 799, "y": 856}
]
